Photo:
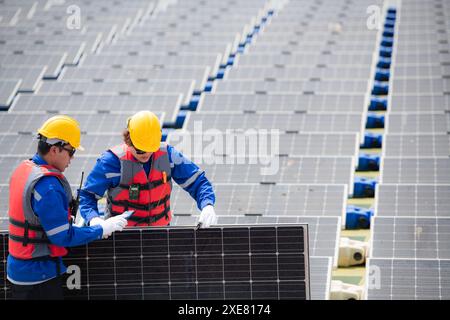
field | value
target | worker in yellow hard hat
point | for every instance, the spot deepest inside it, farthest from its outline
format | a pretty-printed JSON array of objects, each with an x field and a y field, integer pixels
[
  {"x": 40, "y": 209},
  {"x": 137, "y": 175}
]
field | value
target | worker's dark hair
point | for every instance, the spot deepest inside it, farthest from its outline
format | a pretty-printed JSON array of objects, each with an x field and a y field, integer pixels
[
  {"x": 126, "y": 137},
  {"x": 43, "y": 147}
]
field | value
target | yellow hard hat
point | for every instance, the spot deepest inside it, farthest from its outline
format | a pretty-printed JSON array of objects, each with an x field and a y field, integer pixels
[
  {"x": 63, "y": 128},
  {"x": 145, "y": 131}
]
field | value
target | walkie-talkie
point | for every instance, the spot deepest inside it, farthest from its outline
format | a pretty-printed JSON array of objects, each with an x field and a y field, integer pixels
[{"x": 75, "y": 203}]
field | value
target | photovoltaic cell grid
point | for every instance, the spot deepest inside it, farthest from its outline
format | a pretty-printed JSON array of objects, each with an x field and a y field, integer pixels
[
  {"x": 407, "y": 279},
  {"x": 287, "y": 144},
  {"x": 415, "y": 170},
  {"x": 25, "y": 145},
  {"x": 412, "y": 200},
  {"x": 300, "y": 45},
  {"x": 305, "y": 170},
  {"x": 276, "y": 102},
  {"x": 72, "y": 173},
  {"x": 298, "y": 73},
  {"x": 320, "y": 269},
  {"x": 158, "y": 103},
  {"x": 412, "y": 238},
  {"x": 73, "y": 51},
  {"x": 284, "y": 122},
  {"x": 420, "y": 86},
  {"x": 419, "y": 104},
  {"x": 254, "y": 262},
  {"x": 8, "y": 88},
  {"x": 418, "y": 123},
  {"x": 310, "y": 170},
  {"x": 30, "y": 76},
  {"x": 414, "y": 145},
  {"x": 91, "y": 123},
  {"x": 212, "y": 61},
  {"x": 199, "y": 74},
  {"x": 184, "y": 87},
  {"x": 422, "y": 71},
  {"x": 324, "y": 232},
  {"x": 54, "y": 62},
  {"x": 293, "y": 86},
  {"x": 264, "y": 200}
]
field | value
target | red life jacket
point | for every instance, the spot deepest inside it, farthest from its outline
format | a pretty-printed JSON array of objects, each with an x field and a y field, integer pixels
[
  {"x": 27, "y": 238},
  {"x": 151, "y": 202}
]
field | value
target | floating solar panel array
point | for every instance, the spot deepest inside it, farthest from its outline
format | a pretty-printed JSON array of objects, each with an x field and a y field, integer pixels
[
  {"x": 296, "y": 74},
  {"x": 409, "y": 256}
]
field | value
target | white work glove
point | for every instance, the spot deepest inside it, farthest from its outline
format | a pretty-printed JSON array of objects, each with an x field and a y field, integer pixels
[
  {"x": 112, "y": 224},
  {"x": 207, "y": 217}
]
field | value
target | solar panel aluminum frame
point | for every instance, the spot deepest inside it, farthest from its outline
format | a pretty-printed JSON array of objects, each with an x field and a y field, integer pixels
[
  {"x": 187, "y": 95},
  {"x": 377, "y": 191},
  {"x": 362, "y": 124},
  {"x": 305, "y": 248},
  {"x": 382, "y": 160}
]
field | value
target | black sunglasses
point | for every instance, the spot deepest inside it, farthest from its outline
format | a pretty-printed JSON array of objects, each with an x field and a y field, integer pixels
[
  {"x": 139, "y": 151},
  {"x": 71, "y": 151}
]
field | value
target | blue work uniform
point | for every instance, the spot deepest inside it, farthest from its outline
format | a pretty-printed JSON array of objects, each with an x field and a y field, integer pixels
[{"x": 106, "y": 175}]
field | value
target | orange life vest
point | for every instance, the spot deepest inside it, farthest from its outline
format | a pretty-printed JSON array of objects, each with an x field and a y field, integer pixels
[
  {"x": 27, "y": 238},
  {"x": 148, "y": 196}
]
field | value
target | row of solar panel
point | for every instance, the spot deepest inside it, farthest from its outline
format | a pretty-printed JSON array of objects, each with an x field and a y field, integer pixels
[{"x": 409, "y": 246}]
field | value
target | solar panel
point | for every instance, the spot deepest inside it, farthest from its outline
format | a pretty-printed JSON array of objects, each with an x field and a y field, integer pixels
[
  {"x": 284, "y": 122},
  {"x": 3, "y": 256},
  {"x": 304, "y": 59},
  {"x": 324, "y": 232},
  {"x": 92, "y": 41},
  {"x": 412, "y": 200},
  {"x": 320, "y": 269},
  {"x": 412, "y": 58},
  {"x": 269, "y": 200},
  {"x": 74, "y": 51},
  {"x": 415, "y": 170},
  {"x": 414, "y": 145},
  {"x": 418, "y": 123},
  {"x": 54, "y": 62},
  {"x": 304, "y": 144},
  {"x": 298, "y": 73},
  {"x": 185, "y": 87},
  {"x": 413, "y": 238},
  {"x": 308, "y": 36},
  {"x": 39, "y": 103},
  {"x": 307, "y": 170},
  {"x": 25, "y": 145},
  {"x": 297, "y": 46},
  {"x": 408, "y": 72},
  {"x": 419, "y": 104},
  {"x": 276, "y": 102},
  {"x": 90, "y": 123},
  {"x": 234, "y": 262},
  {"x": 30, "y": 76},
  {"x": 322, "y": 170},
  {"x": 420, "y": 86},
  {"x": 293, "y": 86},
  {"x": 408, "y": 279},
  {"x": 212, "y": 60},
  {"x": 199, "y": 74},
  {"x": 167, "y": 48},
  {"x": 8, "y": 89}
]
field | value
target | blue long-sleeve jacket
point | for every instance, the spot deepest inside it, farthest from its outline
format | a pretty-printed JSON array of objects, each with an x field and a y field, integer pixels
[
  {"x": 106, "y": 175},
  {"x": 51, "y": 208}
]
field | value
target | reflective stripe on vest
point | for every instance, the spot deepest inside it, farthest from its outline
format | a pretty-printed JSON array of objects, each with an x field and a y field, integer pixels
[
  {"x": 27, "y": 238},
  {"x": 152, "y": 207}
]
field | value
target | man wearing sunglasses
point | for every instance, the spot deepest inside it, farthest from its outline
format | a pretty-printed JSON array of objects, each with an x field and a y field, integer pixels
[
  {"x": 137, "y": 175},
  {"x": 40, "y": 217}
]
